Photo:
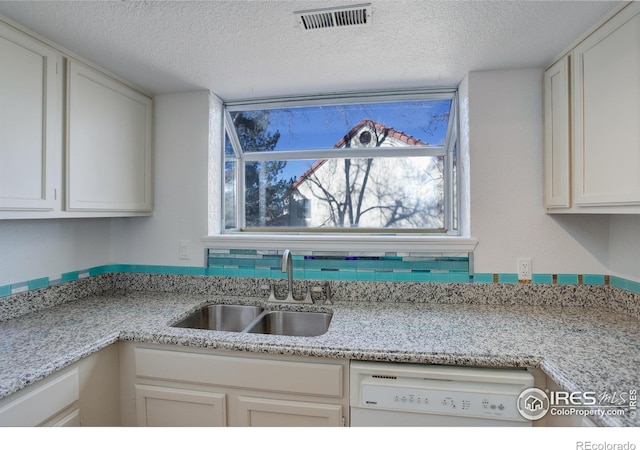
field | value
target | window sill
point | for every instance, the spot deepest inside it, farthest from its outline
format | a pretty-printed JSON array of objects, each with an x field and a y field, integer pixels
[{"x": 341, "y": 243}]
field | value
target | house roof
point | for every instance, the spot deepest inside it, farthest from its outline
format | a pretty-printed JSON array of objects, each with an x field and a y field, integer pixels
[
  {"x": 391, "y": 132},
  {"x": 383, "y": 129}
]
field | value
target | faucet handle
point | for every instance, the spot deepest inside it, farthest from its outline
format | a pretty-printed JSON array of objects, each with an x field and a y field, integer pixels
[
  {"x": 272, "y": 295},
  {"x": 307, "y": 298},
  {"x": 328, "y": 294}
]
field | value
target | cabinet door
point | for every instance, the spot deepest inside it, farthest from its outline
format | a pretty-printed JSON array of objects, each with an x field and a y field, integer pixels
[
  {"x": 108, "y": 143},
  {"x": 167, "y": 407},
  {"x": 606, "y": 96},
  {"x": 30, "y": 122},
  {"x": 264, "y": 412},
  {"x": 557, "y": 136}
]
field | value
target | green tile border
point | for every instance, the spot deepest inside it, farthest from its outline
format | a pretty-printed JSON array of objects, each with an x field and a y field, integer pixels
[
  {"x": 567, "y": 278},
  {"x": 482, "y": 278},
  {"x": 627, "y": 285},
  {"x": 542, "y": 278},
  {"x": 508, "y": 278},
  {"x": 593, "y": 279}
]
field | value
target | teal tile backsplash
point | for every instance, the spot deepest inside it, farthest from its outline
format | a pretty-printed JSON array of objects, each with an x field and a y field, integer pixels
[
  {"x": 344, "y": 267},
  {"x": 341, "y": 266}
]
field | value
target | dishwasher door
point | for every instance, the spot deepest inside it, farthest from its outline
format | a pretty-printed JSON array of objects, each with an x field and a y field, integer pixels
[{"x": 400, "y": 394}]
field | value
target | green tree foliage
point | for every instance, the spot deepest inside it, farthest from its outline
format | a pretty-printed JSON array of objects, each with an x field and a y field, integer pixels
[{"x": 266, "y": 199}]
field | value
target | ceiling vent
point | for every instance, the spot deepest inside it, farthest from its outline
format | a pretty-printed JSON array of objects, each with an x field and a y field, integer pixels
[{"x": 346, "y": 16}]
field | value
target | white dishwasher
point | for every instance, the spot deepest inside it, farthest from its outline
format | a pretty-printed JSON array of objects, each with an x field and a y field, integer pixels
[{"x": 403, "y": 394}]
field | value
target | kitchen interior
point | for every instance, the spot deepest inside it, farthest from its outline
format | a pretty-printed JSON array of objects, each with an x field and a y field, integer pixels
[{"x": 105, "y": 253}]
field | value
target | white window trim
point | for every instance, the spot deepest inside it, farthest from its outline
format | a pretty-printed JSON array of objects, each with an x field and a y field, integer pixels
[
  {"x": 341, "y": 242},
  {"x": 321, "y": 153},
  {"x": 333, "y": 242}
]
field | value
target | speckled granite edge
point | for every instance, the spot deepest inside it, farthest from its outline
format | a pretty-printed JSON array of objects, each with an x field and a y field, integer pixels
[
  {"x": 30, "y": 301},
  {"x": 614, "y": 298},
  {"x": 514, "y": 361}
]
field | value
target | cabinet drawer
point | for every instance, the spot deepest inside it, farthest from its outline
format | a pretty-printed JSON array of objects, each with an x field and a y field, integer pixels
[
  {"x": 249, "y": 373},
  {"x": 41, "y": 403}
]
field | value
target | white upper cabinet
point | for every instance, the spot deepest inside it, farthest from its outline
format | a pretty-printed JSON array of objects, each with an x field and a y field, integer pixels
[
  {"x": 87, "y": 157},
  {"x": 557, "y": 137},
  {"x": 108, "y": 150},
  {"x": 604, "y": 94},
  {"x": 30, "y": 134}
]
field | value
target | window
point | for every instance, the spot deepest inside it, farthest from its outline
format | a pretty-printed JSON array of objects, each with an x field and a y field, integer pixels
[{"x": 371, "y": 164}]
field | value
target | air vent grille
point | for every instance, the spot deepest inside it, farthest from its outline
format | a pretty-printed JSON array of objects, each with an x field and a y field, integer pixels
[{"x": 355, "y": 15}]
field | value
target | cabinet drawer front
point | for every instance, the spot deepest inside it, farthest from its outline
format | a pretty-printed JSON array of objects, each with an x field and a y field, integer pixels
[
  {"x": 42, "y": 403},
  {"x": 261, "y": 374}
]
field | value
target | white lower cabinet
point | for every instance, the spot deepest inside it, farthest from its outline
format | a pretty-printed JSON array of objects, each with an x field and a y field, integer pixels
[
  {"x": 66, "y": 419},
  {"x": 42, "y": 403},
  {"x": 174, "y": 386},
  {"x": 85, "y": 393},
  {"x": 561, "y": 420}
]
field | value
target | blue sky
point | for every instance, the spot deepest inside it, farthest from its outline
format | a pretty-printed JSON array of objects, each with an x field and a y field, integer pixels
[
  {"x": 323, "y": 126},
  {"x": 314, "y": 127}
]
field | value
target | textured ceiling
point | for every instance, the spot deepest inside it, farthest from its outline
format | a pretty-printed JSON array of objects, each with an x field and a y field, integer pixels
[{"x": 246, "y": 49}]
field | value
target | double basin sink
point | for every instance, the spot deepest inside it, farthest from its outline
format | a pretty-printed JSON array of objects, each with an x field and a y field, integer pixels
[{"x": 255, "y": 319}]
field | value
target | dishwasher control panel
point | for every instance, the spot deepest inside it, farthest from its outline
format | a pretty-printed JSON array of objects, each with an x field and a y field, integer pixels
[
  {"x": 440, "y": 402},
  {"x": 427, "y": 391}
]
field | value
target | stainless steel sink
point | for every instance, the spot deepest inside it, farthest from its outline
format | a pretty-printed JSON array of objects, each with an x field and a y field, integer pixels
[
  {"x": 292, "y": 323},
  {"x": 221, "y": 317}
]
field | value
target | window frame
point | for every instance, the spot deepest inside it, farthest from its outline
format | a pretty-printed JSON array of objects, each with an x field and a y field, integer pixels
[{"x": 451, "y": 182}]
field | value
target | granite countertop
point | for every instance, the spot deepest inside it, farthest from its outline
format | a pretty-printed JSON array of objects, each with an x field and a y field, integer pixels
[{"x": 580, "y": 348}]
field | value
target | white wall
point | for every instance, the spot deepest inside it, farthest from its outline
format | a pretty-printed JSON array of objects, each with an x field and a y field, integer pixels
[
  {"x": 181, "y": 134},
  {"x": 31, "y": 249},
  {"x": 505, "y": 146},
  {"x": 624, "y": 247}
]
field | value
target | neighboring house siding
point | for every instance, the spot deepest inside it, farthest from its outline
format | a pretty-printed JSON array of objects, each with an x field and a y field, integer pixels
[{"x": 405, "y": 191}]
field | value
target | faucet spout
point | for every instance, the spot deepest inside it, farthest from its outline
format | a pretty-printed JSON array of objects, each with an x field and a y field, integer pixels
[{"x": 287, "y": 266}]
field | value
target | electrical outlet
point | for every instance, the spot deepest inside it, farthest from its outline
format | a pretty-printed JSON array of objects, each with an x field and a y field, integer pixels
[{"x": 524, "y": 268}]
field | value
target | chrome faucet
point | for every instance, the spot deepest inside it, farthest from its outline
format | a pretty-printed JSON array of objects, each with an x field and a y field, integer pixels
[{"x": 287, "y": 266}]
